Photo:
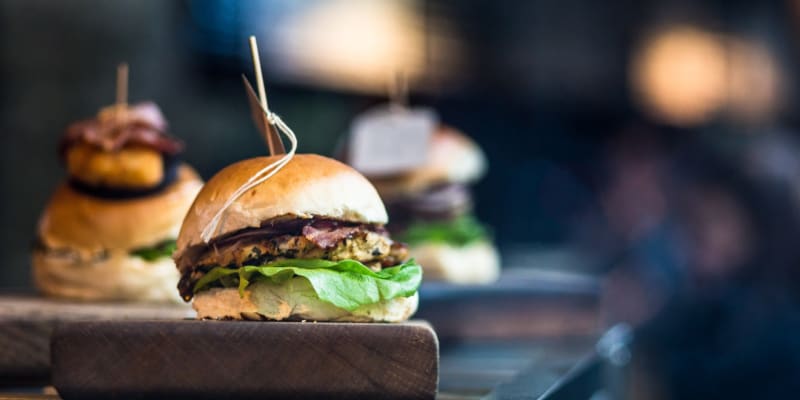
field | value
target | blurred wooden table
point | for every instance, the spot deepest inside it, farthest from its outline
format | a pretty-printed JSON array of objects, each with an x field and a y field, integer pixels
[{"x": 27, "y": 320}]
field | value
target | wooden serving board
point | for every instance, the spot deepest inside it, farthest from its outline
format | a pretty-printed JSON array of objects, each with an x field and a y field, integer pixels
[
  {"x": 26, "y": 322},
  {"x": 244, "y": 359}
]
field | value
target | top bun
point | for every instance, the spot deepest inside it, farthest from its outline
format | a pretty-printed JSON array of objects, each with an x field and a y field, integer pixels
[
  {"x": 452, "y": 158},
  {"x": 308, "y": 186},
  {"x": 90, "y": 224}
]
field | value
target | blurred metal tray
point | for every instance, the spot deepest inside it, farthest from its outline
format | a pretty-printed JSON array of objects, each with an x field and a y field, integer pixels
[{"x": 523, "y": 304}]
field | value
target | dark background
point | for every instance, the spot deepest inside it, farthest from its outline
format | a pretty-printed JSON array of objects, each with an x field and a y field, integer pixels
[
  {"x": 543, "y": 86},
  {"x": 538, "y": 86}
]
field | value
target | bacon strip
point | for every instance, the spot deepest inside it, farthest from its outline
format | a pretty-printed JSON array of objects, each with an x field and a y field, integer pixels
[
  {"x": 327, "y": 237},
  {"x": 141, "y": 125}
]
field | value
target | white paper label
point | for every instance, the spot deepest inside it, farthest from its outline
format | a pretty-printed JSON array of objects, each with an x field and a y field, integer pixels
[{"x": 386, "y": 141}]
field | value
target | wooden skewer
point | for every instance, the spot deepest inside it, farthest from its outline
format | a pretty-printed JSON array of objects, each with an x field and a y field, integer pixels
[
  {"x": 121, "y": 105},
  {"x": 262, "y": 93},
  {"x": 273, "y": 140},
  {"x": 122, "y": 85},
  {"x": 398, "y": 90}
]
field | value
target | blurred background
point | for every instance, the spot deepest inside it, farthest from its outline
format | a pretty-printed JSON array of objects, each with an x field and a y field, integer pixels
[{"x": 651, "y": 144}]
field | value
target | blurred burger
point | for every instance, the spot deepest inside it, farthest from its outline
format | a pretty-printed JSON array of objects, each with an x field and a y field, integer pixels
[
  {"x": 306, "y": 244},
  {"x": 431, "y": 210},
  {"x": 108, "y": 232}
]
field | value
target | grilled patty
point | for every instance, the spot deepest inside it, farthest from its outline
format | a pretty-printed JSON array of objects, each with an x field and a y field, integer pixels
[{"x": 309, "y": 239}]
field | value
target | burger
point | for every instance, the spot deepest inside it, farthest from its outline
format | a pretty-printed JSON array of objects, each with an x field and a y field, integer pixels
[
  {"x": 309, "y": 243},
  {"x": 109, "y": 230},
  {"x": 431, "y": 210}
]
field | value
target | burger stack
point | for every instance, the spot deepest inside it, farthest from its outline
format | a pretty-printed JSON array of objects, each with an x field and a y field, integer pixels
[
  {"x": 431, "y": 210},
  {"x": 308, "y": 243},
  {"x": 109, "y": 230}
]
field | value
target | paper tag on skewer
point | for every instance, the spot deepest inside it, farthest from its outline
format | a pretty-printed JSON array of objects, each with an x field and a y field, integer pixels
[
  {"x": 264, "y": 127},
  {"x": 389, "y": 140}
]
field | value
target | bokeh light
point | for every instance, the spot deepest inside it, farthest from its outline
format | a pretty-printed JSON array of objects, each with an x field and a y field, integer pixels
[
  {"x": 354, "y": 44},
  {"x": 679, "y": 75}
]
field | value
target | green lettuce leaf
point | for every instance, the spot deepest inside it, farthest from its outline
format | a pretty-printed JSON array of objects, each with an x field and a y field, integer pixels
[
  {"x": 346, "y": 284},
  {"x": 461, "y": 231},
  {"x": 150, "y": 254}
]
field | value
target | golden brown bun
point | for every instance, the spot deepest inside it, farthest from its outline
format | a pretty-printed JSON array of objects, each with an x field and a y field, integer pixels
[
  {"x": 128, "y": 168},
  {"x": 475, "y": 263},
  {"x": 90, "y": 239},
  {"x": 119, "y": 277},
  {"x": 309, "y": 185},
  {"x": 294, "y": 300},
  {"x": 88, "y": 225},
  {"x": 452, "y": 158}
]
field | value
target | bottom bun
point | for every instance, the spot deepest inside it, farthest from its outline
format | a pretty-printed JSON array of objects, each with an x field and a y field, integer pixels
[
  {"x": 294, "y": 300},
  {"x": 474, "y": 263},
  {"x": 120, "y": 277}
]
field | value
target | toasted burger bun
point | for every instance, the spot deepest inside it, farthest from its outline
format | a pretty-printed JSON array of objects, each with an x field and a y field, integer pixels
[
  {"x": 90, "y": 224},
  {"x": 309, "y": 185},
  {"x": 474, "y": 263},
  {"x": 294, "y": 299},
  {"x": 120, "y": 277},
  {"x": 452, "y": 158},
  {"x": 86, "y": 243}
]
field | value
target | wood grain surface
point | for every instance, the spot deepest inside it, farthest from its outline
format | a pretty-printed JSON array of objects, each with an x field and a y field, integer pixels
[
  {"x": 242, "y": 359},
  {"x": 26, "y": 322}
]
